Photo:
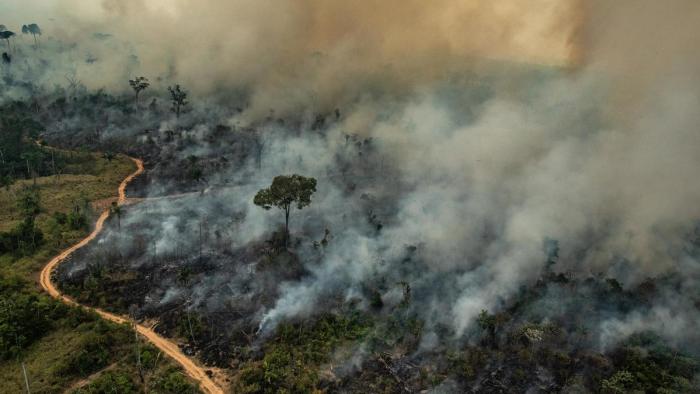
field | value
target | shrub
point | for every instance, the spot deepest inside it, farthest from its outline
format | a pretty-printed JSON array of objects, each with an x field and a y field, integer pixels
[
  {"x": 110, "y": 382},
  {"x": 23, "y": 319},
  {"x": 621, "y": 382},
  {"x": 291, "y": 361},
  {"x": 94, "y": 355},
  {"x": 172, "y": 382}
]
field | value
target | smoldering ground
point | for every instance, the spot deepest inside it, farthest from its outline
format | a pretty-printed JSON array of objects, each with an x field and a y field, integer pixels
[
  {"x": 464, "y": 203},
  {"x": 440, "y": 171}
]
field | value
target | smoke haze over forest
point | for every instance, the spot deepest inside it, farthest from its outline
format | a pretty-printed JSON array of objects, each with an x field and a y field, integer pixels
[
  {"x": 478, "y": 133},
  {"x": 596, "y": 155}
]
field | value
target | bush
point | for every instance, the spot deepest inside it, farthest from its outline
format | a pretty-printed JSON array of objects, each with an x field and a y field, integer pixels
[
  {"x": 77, "y": 220},
  {"x": 645, "y": 364},
  {"x": 23, "y": 240},
  {"x": 291, "y": 361},
  {"x": 110, "y": 382},
  {"x": 172, "y": 382},
  {"x": 24, "y": 318},
  {"x": 94, "y": 355},
  {"x": 621, "y": 382},
  {"x": 467, "y": 364}
]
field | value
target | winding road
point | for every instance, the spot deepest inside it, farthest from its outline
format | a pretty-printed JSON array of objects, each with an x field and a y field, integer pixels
[{"x": 167, "y": 346}]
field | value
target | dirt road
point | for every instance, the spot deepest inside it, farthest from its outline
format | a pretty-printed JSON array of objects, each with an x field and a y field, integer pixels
[{"x": 167, "y": 346}]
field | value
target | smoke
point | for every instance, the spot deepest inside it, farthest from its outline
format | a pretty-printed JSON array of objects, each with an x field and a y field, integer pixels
[
  {"x": 468, "y": 156},
  {"x": 303, "y": 54},
  {"x": 600, "y": 160}
]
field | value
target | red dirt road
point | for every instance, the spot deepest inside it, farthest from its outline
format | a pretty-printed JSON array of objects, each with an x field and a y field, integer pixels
[{"x": 168, "y": 347}]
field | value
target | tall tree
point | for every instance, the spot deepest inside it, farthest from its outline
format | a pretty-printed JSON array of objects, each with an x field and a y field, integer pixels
[
  {"x": 34, "y": 30},
  {"x": 6, "y": 35},
  {"x": 29, "y": 202},
  {"x": 28, "y": 235},
  {"x": 179, "y": 99},
  {"x": 139, "y": 84},
  {"x": 33, "y": 159},
  {"x": 285, "y": 192}
]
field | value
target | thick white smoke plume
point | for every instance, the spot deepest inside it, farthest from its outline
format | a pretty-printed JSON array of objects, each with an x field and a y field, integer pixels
[{"x": 484, "y": 157}]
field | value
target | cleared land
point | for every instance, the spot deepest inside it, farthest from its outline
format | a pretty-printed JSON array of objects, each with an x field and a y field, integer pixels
[{"x": 69, "y": 347}]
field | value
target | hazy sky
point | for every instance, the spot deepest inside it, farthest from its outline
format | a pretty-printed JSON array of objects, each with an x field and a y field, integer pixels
[{"x": 534, "y": 29}]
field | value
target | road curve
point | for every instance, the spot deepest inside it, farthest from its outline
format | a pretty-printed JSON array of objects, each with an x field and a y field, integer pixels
[{"x": 168, "y": 347}]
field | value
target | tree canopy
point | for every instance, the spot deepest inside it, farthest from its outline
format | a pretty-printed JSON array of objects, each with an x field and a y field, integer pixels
[
  {"x": 6, "y": 35},
  {"x": 179, "y": 99},
  {"x": 285, "y": 192},
  {"x": 34, "y": 30},
  {"x": 139, "y": 84}
]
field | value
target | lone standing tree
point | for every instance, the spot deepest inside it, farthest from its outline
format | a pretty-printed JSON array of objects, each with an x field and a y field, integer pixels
[
  {"x": 139, "y": 84},
  {"x": 34, "y": 30},
  {"x": 6, "y": 35},
  {"x": 285, "y": 192},
  {"x": 179, "y": 99}
]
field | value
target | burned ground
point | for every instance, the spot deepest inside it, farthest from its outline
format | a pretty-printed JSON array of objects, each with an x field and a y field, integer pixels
[
  {"x": 185, "y": 259},
  {"x": 489, "y": 226}
]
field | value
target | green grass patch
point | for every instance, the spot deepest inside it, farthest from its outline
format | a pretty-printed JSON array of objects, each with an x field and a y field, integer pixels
[
  {"x": 63, "y": 347},
  {"x": 98, "y": 180}
]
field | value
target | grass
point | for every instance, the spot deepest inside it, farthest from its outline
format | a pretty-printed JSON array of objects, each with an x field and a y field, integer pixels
[
  {"x": 52, "y": 362},
  {"x": 100, "y": 181},
  {"x": 60, "y": 195},
  {"x": 44, "y": 361},
  {"x": 76, "y": 344}
]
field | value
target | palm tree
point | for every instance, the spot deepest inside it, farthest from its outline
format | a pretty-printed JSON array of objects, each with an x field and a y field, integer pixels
[
  {"x": 6, "y": 35},
  {"x": 34, "y": 30},
  {"x": 139, "y": 84}
]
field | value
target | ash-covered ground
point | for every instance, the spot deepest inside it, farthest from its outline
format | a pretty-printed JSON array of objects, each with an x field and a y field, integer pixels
[{"x": 364, "y": 294}]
